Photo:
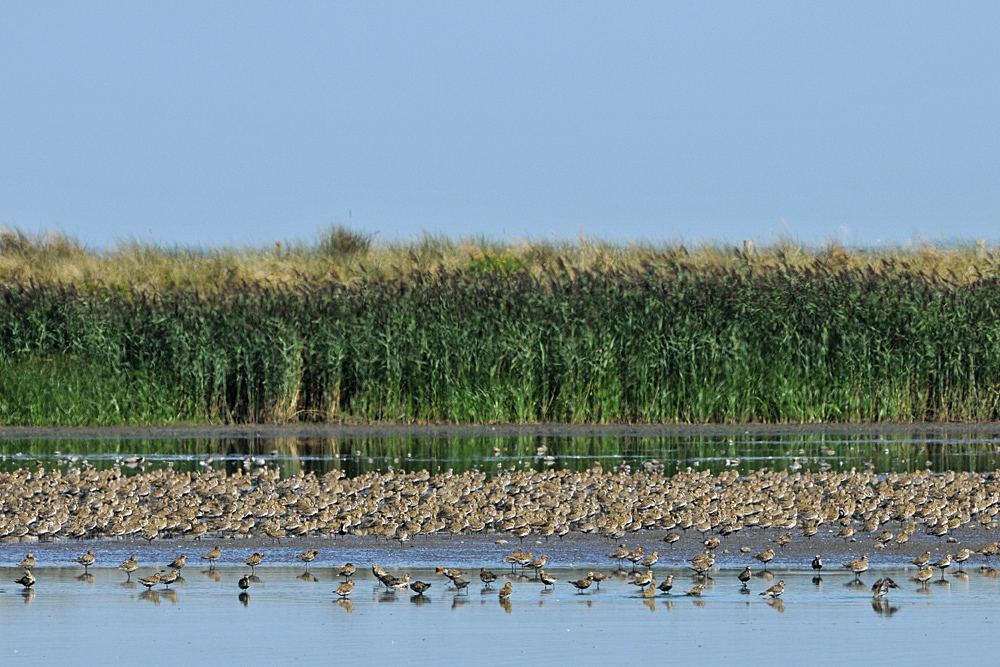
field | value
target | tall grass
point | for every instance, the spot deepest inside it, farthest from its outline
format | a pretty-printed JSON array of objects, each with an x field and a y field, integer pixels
[
  {"x": 339, "y": 254},
  {"x": 638, "y": 345}
]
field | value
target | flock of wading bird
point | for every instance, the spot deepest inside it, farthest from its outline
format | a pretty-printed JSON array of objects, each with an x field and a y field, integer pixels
[
  {"x": 86, "y": 503},
  {"x": 700, "y": 565}
]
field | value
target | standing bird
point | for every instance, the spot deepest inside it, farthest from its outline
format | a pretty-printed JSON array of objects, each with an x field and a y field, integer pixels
[
  {"x": 765, "y": 557},
  {"x": 129, "y": 566},
  {"x": 817, "y": 563},
  {"x": 345, "y": 588},
  {"x": 943, "y": 564},
  {"x": 882, "y": 586},
  {"x": 212, "y": 556},
  {"x": 86, "y": 560},
  {"x": 28, "y": 580},
  {"x": 347, "y": 570},
  {"x": 962, "y": 556},
  {"x": 253, "y": 560},
  {"x": 857, "y": 566},
  {"x": 419, "y": 587},
  {"x": 775, "y": 591},
  {"x": 151, "y": 581},
  {"x": 28, "y": 562},
  {"x": 179, "y": 562},
  {"x": 581, "y": 584},
  {"x": 696, "y": 591},
  {"x": 504, "y": 593},
  {"x": 460, "y": 584},
  {"x": 547, "y": 579},
  {"x": 924, "y": 575},
  {"x": 922, "y": 560},
  {"x": 597, "y": 578},
  {"x": 745, "y": 576},
  {"x": 308, "y": 556},
  {"x": 486, "y": 576},
  {"x": 666, "y": 584},
  {"x": 244, "y": 582}
]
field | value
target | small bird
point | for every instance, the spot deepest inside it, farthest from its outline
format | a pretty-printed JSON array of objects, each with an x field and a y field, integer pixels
[
  {"x": 244, "y": 582},
  {"x": 504, "y": 593},
  {"x": 962, "y": 556},
  {"x": 597, "y": 578},
  {"x": 460, "y": 583},
  {"x": 149, "y": 582},
  {"x": 582, "y": 584},
  {"x": 765, "y": 557},
  {"x": 696, "y": 591},
  {"x": 643, "y": 580},
  {"x": 179, "y": 562},
  {"x": 650, "y": 560},
  {"x": 547, "y": 579},
  {"x": 345, "y": 588},
  {"x": 212, "y": 556},
  {"x": 28, "y": 562},
  {"x": 27, "y": 580},
  {"x": 253, "y": 560},
  {"x": 670, "y": 538},
  {"x": 817, "y": 563},
  {"x": 347, "y": 570},
  {"x": 922, "y": 560},
  {"x": 86, "y": 560},
  {"x": 775, "y": 591},
  {"x": 400, "y": 584},
  {"x": 649, "y": 592},
  {"x": 924, "y": 575},
  {"x": 667, "y": 584},
  {"x": 486, "y": 576},
  {"x": 308, "y": 556},
  {"x": 129, "y": 566},
  {"x": 943, "y": 564},
  {"x": 169, "y": 577},
  {"x": 419, "y": 587},
  {"x": 857, "y": 566},
  {"x": 882, "y": 586},
  {"x": 745, "y": 576}
]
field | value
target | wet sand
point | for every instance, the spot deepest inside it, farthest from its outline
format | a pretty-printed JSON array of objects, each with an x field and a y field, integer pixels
[{"x": 290, "y": 619}]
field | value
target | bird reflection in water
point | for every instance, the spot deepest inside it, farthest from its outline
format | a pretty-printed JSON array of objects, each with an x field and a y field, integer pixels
[
  {"x": 420, "y": 599},
  {"x": 776, "y": 603},
  {"x": 345, "y": 604},
  {"x": 28, "y": 594},
  {"x": 169, "y": 594},
  {"x": 506, "y": 605},
  {"x": 307, "y": 576},
  {"x": 86, "y": 578},
  {"x": 212, "y": 574},
  {"x": 151, "y": 595},
  {"x": 883, "y": 607},
  {"x": 244, "y": 598}
]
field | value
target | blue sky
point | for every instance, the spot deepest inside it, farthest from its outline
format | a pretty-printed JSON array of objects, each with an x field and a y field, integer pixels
[{"x": 227, "y": 123}]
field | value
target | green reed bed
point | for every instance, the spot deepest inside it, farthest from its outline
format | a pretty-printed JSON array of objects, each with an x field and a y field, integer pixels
[{"x": 643, "y": 345}]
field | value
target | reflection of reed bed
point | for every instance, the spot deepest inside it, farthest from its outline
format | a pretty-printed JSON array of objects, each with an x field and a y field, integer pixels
[
  {"x": 165, "y": 503},
  {"x": 665, "y": 455},
  {"x": 644, "y": 345}
]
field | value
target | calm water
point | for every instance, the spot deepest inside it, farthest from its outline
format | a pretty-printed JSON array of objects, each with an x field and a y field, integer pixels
[
  {"x": 289, "y": 619},
  {"x": 966, "y": 452}
]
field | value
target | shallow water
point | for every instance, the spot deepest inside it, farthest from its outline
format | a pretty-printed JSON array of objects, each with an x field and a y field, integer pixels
[
  {"x": 287, "y": 618},
  {"x": 744, "y": 451}
]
